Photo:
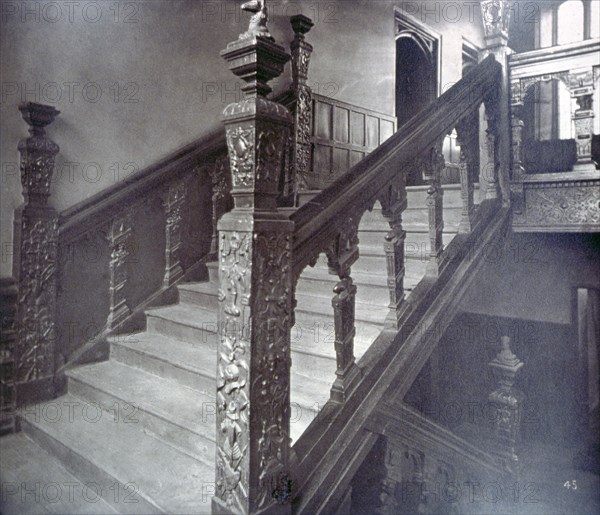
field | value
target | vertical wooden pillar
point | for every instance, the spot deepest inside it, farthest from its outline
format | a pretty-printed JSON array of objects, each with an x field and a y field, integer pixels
[
  {"x": 393, "y": 204},
  {"x": 119, "y": 241},
  {"x": 340, "y": 257},
  {"x": 35, "y": 264},
  {"x": 301, "y": 147},
  {"x": 173, "y": 204},
  {"x": 255, "y": 290},
  {"x": 432, "y": 167},
  {"x": 507, "y": 402}
]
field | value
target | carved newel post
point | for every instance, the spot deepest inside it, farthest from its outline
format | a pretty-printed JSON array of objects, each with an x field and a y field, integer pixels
[
  {"x": 496, "y": 19},
  {"x": 581, "y": 85},
  {"x": 35, "y": 264},
  {"x": 255, "y": 289},
  {"x": 506, "y": 401},
  {"x": 301, "y": 150}
]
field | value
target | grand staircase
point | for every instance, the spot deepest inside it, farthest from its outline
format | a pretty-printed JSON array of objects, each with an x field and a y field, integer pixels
[{"x": 139, "y": 429}]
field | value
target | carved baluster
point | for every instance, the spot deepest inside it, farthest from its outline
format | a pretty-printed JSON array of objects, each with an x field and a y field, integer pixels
[
  {"x": 393, "y": 204},
  {"x": 432, "y": 167},
  {"x": 35, "y": 264},
  {"x": 173, "y": 209},
  {"x": 220, "y": 189},
  {"x": 582, "y": 89},
  {"x": 119, "y": 241},
  {"x": 506, "y": 401},
  {"x": 490, "y": 176},
  {"x": 8, "y": 341},
  {"x": 301, "y": 148},
  {"x": 255, "y": 290},
  {"x": 468, "y": 139},
  {"x": 340, "y": 257},
  {"x": 517, "y": 193}
]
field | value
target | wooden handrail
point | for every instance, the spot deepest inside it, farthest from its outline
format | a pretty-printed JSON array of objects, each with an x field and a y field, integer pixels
[{"x": 314, "y": 222}]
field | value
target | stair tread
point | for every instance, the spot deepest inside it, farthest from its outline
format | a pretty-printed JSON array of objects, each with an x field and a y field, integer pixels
[
  {"x": 366, "y": 312},
  {"x": 187, "y": 314},
  {"x": 161, "y": 397},
  {"x": 206, "y": 287},
  {"x": 187, "y": 356},
  {"x": 25, "y": 464},
  {"x": 172, "y": 480}
]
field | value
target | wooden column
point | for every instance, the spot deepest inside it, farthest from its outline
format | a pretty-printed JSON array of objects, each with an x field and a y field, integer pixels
[
  {"x": 119, "y": 241},
  {"x": 507, "y": 402},
  {"x": 173, "y": 204},
  {"x": 255, "y": 290},
  {"x": 340, "y": 257},
  {"x": 432, "y": 166},
  {"x": 393, "y": 203},
  {"x": 302, "y": 146},
  {"x": 35, "y": 264}
]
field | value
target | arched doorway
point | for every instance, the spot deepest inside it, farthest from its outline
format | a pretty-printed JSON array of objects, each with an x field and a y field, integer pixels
[
  {"x": 415, "y": 77},
  {"x": 416, "y": 72}
]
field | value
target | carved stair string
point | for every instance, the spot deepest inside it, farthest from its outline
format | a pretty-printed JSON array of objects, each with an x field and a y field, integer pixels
[{"x": 35, "y": 264}]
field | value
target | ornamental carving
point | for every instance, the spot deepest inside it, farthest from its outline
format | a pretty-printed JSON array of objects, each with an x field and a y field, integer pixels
[
  {"x": 119, "y": 240},
  {"x": 566, "y": 205},
  {"x": 37, "y": 297},
  {"x": 234, "y": 262},
  {"x": 240, "y": 142},
  {"x": 174, "y": 214},
  {"x": 270, "y": 150},
  {"x": 496, "y": 17},
  {"x": 343, "y": 252}
]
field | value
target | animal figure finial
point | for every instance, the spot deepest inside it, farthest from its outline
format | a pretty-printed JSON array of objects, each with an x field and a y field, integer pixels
[{"x": 258, "y": 22}]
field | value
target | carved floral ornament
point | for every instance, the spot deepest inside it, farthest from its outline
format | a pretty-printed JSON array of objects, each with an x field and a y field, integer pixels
[{"x": 496, "y": 17}]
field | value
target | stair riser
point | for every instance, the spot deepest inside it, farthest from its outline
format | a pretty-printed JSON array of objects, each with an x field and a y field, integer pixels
[
  {"x": 90, "y": 475},
  {"x": 313, "y": 366},
  {"x": 201, "y": 299},
  {"x": 195, "y": 335},
  {"x": 379, "y": 295},
  {"x": 198, "y": 446},
  {"x": 204, "y": 383}
]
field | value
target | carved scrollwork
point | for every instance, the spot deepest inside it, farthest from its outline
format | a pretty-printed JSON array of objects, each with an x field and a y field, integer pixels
[
  {"x": 496, "y": 17},
  {"x": 37, "y": 297},
  {"x": 120, "y": 246},
  {"x": 174, "y": 202}
]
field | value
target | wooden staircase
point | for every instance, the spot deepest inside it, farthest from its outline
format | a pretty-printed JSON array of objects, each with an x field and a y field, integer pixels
[{"x": 145, "y": 419}]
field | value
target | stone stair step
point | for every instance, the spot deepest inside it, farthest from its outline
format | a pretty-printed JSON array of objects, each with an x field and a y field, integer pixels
[
  {"x": 33, "y": 481},
  {"x": 202, "y": 294},
  {"x": 120, "y": 457},
  {"x": 184, "y": 322},
  {"x": 178, "y": 415},
  {"x": 183, "y": 362}
]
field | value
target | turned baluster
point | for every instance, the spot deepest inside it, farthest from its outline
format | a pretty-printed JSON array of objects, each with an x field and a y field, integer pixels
[
  {"x": 468, "y": 139},
  {"x": 393, "y": 204},
  {"x": 35, "y": 263},
  {"x": 517, "y": 192},
  {"x": 340, "y": 257},
  {"x": 581, "y": 85},
  {"x": 432, "y": 166}
]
